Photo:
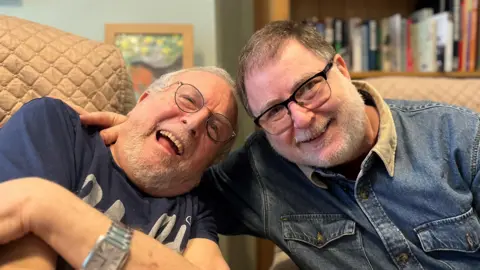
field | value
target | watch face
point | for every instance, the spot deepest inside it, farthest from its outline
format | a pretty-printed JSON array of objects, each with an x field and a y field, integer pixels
[{"x": 106, "y": 257}]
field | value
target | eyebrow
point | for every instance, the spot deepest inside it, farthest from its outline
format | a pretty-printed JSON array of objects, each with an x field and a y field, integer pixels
[{"x": 297, "y": 84}]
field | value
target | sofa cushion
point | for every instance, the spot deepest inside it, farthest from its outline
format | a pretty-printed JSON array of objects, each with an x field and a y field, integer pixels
[
  {"x": 456, "y": 91},
  {"x": 38, "y": 60}
]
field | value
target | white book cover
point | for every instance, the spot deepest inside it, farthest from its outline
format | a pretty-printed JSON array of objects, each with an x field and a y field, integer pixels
[
  {"x": 427, "y": 45},
  {"x": 444, "y": 42},
  {"x": 385, "y": 45},
  {"x": 355, "y": 25},
  {"x": 395, "y": 33}
]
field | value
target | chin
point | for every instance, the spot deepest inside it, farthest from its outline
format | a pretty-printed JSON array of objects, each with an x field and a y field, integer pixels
[{"x": 324, "y": 154}]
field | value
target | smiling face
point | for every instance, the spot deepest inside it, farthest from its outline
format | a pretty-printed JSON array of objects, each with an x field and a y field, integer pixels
[
  {"x": 327, "y": 136},
  {"x": 165, "y": 150}
]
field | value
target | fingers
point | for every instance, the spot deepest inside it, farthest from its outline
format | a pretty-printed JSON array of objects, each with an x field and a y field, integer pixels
[
  {"x": 110, "y": 135},
  {"x": 103, "y": 119}
]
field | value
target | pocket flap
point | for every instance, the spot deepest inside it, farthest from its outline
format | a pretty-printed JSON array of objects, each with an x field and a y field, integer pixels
[
  {"x": 460, "y": 233},
  {"x": 316, "y": 229}
]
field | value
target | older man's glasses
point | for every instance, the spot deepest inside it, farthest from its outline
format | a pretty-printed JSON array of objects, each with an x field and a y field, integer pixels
[
  {"x": 189, "y": 99},
  {"x": 311, "y": 94}
]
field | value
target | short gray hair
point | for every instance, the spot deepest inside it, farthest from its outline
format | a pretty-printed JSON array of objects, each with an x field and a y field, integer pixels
[
  {"x": 265, "y": 44},
  {"x": 168, "y": 78}
]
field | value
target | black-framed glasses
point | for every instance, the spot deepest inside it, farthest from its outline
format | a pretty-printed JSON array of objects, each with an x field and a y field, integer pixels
[
  {"x": 190, "y": 100},
  {"x": 311, "y": 94}
]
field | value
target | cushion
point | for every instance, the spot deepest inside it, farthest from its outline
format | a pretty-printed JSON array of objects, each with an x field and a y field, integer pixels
[
  {"x": 38, "y": 60},
  {"x": 456, "y": 91}
]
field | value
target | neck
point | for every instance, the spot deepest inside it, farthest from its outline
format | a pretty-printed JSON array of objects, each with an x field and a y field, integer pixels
[{"x": 352, "y": 168}]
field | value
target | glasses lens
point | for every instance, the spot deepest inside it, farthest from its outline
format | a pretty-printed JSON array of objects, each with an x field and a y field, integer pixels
[
  {"x": 275, "y": 120},
  {"x": 219, "y": 128},
  {"x": 188, "y": 98},
  {"x": 314, "y": 93}
]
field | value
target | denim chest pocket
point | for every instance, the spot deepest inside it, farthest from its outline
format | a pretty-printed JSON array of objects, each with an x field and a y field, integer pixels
[
  {"x": 460, "y": 233},
  {"x": 331, "y": 241},
  {"x": 321, "y": 230}
]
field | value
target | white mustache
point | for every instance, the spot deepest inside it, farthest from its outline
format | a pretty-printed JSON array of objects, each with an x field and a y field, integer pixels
[{"x": 314, "y": 131}]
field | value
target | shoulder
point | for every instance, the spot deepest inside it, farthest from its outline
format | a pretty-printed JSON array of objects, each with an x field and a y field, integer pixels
[
  {"x": 46, "y": 109},
  {"x": 436, "y": 124}
]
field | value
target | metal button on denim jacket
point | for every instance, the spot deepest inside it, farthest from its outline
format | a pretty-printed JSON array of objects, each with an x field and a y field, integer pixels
[{"x": 415, "y": 204}]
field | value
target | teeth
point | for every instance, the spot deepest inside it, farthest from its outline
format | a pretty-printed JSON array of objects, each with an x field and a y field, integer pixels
[
  {"x": 174, "y": 139},
  {"x": 312, "y": 136}
]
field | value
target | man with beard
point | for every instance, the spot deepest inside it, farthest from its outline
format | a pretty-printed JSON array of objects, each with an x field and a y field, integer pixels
[
  {"x": 338, "y": 177},
  {"x": 144, "y": 181}
]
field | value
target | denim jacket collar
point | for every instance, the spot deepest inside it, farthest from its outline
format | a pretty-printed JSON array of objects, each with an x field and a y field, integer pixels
[{"x": 387, "y": 136}]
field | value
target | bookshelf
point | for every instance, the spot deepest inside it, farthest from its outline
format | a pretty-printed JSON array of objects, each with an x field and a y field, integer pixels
[{"x": 300, "y": 10}]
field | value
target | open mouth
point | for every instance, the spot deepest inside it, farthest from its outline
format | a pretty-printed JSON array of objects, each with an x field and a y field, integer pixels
[{"x": 169, "y": 141}]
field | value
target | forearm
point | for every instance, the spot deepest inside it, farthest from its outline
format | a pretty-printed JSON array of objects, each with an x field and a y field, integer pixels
[
  {"x": 72, "y": 229},
  {"x": 28, "y": 252}
]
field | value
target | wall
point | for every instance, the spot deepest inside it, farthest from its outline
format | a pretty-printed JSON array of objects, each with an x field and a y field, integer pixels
[
  {"x": 235, "y": 24},
  {"x": 87, "y": 18}
]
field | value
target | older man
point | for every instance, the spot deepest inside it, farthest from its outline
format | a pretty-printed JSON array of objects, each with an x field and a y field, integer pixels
[
  {"x": 340, "y": 178},
  {"x": 180, "y": 126}
]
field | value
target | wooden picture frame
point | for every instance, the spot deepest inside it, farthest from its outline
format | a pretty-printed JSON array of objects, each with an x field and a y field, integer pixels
[{"x": 151, "y": 50}]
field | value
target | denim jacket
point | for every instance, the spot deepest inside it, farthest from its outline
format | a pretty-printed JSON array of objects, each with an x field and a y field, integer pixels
[{"x": 414, "y": 205}]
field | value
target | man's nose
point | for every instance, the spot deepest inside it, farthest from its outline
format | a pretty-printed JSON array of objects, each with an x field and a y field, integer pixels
[
  {"x": 195, "y": 121},
  {"x": 302, "y": 118}
]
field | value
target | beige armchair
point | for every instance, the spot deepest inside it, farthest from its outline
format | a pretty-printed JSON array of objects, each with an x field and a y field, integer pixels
[{"x": 37, "y": 60}]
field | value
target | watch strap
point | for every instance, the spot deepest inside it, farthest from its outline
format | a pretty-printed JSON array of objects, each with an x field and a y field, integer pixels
[{"x": 120, "y": 235}]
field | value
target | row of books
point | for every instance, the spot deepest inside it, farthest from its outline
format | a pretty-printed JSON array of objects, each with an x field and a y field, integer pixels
[{"x": 422, "y": 42}]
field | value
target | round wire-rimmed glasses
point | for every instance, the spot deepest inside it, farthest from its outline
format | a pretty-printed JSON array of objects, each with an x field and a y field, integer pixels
[
  {"x": 190, "y": 100},
  {"x": 311, "y": 94}
]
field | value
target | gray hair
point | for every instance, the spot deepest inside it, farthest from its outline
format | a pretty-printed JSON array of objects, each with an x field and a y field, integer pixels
[
  {"x": 168, "y": 78},
  {"x": 265, "y": 44}
]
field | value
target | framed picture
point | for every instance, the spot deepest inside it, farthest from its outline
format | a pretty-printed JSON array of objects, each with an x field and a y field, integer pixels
[{"x": 151, "y": 50}]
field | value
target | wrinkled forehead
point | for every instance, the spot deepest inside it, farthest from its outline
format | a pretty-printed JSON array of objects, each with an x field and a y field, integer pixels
[{"x": 216, "y": 92}]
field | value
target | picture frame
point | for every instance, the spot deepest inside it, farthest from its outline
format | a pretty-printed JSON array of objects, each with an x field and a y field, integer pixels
[{"x": 151, "y": 50}]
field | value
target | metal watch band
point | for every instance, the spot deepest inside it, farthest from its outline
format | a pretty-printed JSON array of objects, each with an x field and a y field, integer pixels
[
  {"x": 111, "y": 250},
  {"x": 120, "y": 235}
]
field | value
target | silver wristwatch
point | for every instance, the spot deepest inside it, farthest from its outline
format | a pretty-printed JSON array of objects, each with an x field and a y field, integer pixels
[{"x": 111, "y": 250}]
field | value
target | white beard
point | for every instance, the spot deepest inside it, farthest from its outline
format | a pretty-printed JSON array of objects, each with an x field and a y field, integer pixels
[
  {"x": 152, "y": 177},
  {"x": 351, "y": 123}
]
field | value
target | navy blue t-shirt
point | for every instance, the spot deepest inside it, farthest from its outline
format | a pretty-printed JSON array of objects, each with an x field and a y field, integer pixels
[{"x": 46, "y": 139}]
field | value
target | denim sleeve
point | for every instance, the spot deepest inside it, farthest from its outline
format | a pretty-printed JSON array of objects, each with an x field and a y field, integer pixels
[
  {"x": 38, "y": 142},
  {"x": 475, "y": 186},
  {"x": 234, "y": 195}
]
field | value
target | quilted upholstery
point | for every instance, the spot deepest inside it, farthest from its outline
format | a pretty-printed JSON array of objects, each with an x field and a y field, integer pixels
[
  {"x": 460, "y": 92},
  {"x": 38, "y": 60}
]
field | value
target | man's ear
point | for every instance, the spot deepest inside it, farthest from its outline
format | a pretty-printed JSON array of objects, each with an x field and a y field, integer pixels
[
  {"x": 143, "y": 96},
  {"x": 341, "y": 65}
]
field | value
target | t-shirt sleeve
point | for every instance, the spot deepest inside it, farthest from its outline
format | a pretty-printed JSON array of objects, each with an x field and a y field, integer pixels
[
  {"x": 38, "y": 141},
  {"x": 203, "y": 225}
]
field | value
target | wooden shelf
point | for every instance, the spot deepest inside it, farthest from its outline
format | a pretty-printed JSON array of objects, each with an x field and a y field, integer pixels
[{"x": 375, "y": 74}]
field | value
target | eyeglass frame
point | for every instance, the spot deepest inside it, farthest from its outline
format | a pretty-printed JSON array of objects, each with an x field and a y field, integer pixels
[
  {"x": 285, "y": 103},
  {"x": 180, "y": 84}
]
